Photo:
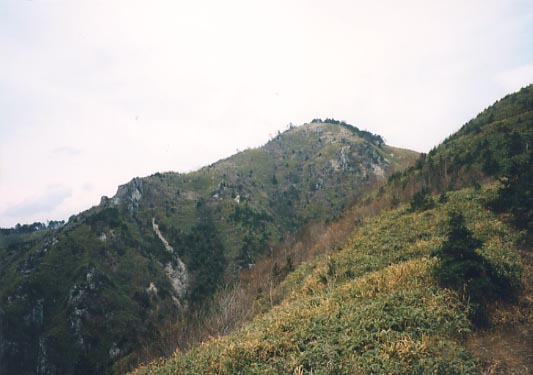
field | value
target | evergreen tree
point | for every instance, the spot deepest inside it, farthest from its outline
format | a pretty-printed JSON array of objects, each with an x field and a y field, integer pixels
[
  {"x": 462, "y": 268},
  {"x": 459, "y": 263},
  {"x": 205, "y": 259},
  {"x": 516, "y": 195},
  {"x": 422, "y": 201},
  {"x": 490, "y": 165}
]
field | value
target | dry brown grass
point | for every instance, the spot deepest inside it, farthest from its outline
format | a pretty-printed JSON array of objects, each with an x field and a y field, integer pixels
[{"x": 256, "y": 292}]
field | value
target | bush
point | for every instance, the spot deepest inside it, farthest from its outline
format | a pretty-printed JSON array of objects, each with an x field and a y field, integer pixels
[
  {"x": 422, "y": 201},
  {"x": 516, "y": 194},
  {"x": 462, "y": 268},
  {"x": 459, "y": 263}
]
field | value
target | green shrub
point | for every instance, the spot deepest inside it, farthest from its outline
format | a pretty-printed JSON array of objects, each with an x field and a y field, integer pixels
[
  {"x": 462, "y": 268},
  {"x": 421, "y": 201},
  {"x": 516, "y": 194}
]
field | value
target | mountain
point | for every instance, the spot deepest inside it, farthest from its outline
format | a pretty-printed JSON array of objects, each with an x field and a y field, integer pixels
[
  {"x": 76, "y": 299},
  {"x": 433, "y": 279},
  {"x": 482, "y": 149}
]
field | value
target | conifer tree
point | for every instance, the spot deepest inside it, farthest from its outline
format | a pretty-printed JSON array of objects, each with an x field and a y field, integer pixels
[
  {"x": 459, "y": 264},
  {"x": 516, "y": 194}
]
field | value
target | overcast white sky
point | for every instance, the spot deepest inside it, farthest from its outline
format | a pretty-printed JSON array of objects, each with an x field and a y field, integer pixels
[{"x": 93, "y": 93}]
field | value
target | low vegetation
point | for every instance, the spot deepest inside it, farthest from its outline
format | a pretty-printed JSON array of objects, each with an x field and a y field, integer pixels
[
  {"x": 374, "y": 306},
  {"x": 297, "y": 260}
]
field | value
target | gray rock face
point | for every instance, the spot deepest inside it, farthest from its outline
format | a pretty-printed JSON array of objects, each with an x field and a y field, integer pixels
[
  {"x": 80, "y": 300},
  {"x": 178, "y": 277},
  {"x": 177, "y": 273},
  {"x": 114, "y": 351},
  {"x": 43, "y": 366},
  {"x": 14, "y": 354},
  {"x": 102, "y": 237},
  {"x": 36, "y": 316},
  {"x": 129, "y": 194}
]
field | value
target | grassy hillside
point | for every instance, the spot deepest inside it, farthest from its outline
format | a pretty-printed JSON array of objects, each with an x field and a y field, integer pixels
[
  {"x": 372, "y": 307},
  {"x": 95, "y": 292},
  {"x": 377, "y": 303},
  {"x": 80, "y": 298}
]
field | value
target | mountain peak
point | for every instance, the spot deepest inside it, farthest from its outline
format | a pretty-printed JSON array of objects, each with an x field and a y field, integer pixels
[{"x": 218, "y": 221}]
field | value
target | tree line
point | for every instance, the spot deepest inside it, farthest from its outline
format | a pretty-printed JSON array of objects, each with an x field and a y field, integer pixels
[{"x": 34, "y": 227}]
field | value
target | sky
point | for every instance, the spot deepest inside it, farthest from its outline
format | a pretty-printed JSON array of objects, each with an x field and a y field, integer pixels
[{"x": 94, "y": 93}]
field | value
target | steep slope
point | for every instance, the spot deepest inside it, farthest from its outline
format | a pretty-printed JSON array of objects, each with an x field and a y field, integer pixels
[
  {"x": 92, "y": 292},
  {"x": 372, "y": 307},
  {"x": 376, "y": 305}
]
